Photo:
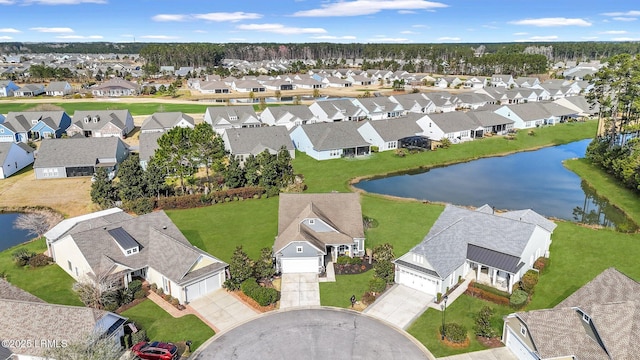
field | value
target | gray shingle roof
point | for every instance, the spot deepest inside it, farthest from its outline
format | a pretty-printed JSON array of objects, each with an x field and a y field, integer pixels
[
  {"x": 256, "y": 140},
  {"x": 76, "y": 151},
  {"x": 56, "y": 86},
  {"x": 162, "y": 247},
  {"x": 6, "y": 146},
  {"x": 22, "y": 121},
  {"x": 454, "y": 121},
  {"x": 115, "y": 117},
  {"x": 237, "y": 115},
  {"x": 344, "y": 106},
  {"x": 335, "y": 135},
  {"x": 148, "y": 144},
  {"x": 299, "y": 112},
  {"x": 164, "y": 120},
  {"x": 488, "y": 118},
  {"x": 396, "y": 129}
]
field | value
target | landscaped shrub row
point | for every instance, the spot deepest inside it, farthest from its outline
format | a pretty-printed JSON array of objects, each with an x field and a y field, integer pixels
[
  {"x": 262, "y": 295},
  {"x": 490, "y": 289},
  {"x": 198, "y": 200},
  {"x": 344, "y": 260},
  {"x": 529, "y": 281},
  {"x": 541, "y": 263},
  {"x": 455, "y": 332},
  {"x": 485, "y": 295}
]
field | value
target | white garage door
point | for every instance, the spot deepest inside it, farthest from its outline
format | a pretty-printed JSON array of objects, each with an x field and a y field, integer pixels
[
  {"x": 517, "y": 347},
  {"x": 418, "y": 282},
  {"x": 300, "y": 265},
  {"x": 203, "y": 287},
  {"x": 6, "y": 138}
]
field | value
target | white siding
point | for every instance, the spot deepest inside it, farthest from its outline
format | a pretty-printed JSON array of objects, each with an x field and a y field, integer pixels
[{"x": 66, "y": 251}]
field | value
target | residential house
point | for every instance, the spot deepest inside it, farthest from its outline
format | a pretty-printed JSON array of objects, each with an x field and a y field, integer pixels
[
  {"x": 337, "y": 110},
  {"x": 359, "y": 80},
  {"x": 14, "y": 157},
  {"x": 315, "y": 229},
  {"x": 579, "y": 104},
  {"x": 532, "y": 115},
  {"x": 70, "y": 157},
  {"x": 389, "y": 134},
  {"x": 29, "y": 90},
  {"x": 442, "y": 101},
  {"x": 414, "y": 103},
  {"x": 214, "y": 87},
  {"x": 527, "y": 81},
  {"x": 277, "y": 85},
  {"x": 288, "y": 116},
  {"x": 448, "y": 82},
  {"x": 38, "y": 326},
  {"x": 379, "y": 108},
  {"x": 33, "y": 125},
  {"x": 598, "y": 321},
  {"x": 149, "y": 247},
  {"x": 502, "y": 80},
  {"x": 333, "y": 81},
  {"x": 247, "y": 86},
  {"x": 474, "y": 82},
  {"x": 114, "y": 88},
  {"x": 7, "y": 88},
  {"x": 226, "y": 117},
  {"x": 308, "y": 83},
  {"x": 494, "y": 248},
  {"x": 252, "y": 141},
  {"x": 101, "y": 123},
  {"x": 491, "y": 122},
  {"x": 323, "y": 141},
  {"x": 58, "y": 88},
  {"x": 154, "y": 127},
  {"x": 473, "y": 100},
  {"x": 185, "y": 71},
  {"x": 457, "y": 126}
]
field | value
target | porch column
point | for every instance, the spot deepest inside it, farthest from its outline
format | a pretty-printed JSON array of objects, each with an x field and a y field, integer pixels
[
  {"x": 494, "y": 275},
  {"x": 509, "y": 282},
  {"x": 478, "y": 269}
]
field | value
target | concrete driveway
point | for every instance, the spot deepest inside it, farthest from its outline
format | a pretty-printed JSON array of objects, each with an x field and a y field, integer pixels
[
  {"x": 313, "y": 334},
  {"x": 400, "y": 305},
  {"x": 222, "y": 309},
  {"x": 299, "y": 290},
  {"x": 492, "y": 354}
]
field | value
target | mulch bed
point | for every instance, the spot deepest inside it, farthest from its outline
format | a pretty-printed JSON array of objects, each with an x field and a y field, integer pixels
[
  {"x": 249, "y": 301},
  {"x": 454, "y": 345},
  {"x": 347, "y": 269},
  {"x": 493, "y": 342}
]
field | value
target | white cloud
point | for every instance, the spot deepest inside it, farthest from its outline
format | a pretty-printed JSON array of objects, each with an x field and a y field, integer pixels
[
  {"x": 403, "y": 12},
  {"x": 331, "y": 37},
  {"x": 487, "y": 26},
  {"x": 367, "y": 7},
  {"x": 66, "y": 2},
  {"x": 539, "y": 38},
  {"x": 228, "y": 16},
  {"x": 80, "y": 37},
  {"x": 281, "y": 29},
  {"x": 520, "y": 34},
  {"x": 9, "y": 30},
  {"x": 448, "y": 38},
  {"x": 200, "y": 31},
  {"x": 620, "y": 18},
  {"x": 549, "y": 22},
  {"x": 622, "y": 13},
  {"x": 170, "y": 17},
  {"x": 158, "y": 37},
  {"x": 419, "y": 26},
  {"x": 6, "y": 2},
  {"x": 52, "y": 29},
  {"x": 613, "y": 32},
  {"x": 384, "y": 39},
  {"x": 409, "y": 32},
  {"x": 6, "y": 38},
  {"x": 625, "y": 39}
]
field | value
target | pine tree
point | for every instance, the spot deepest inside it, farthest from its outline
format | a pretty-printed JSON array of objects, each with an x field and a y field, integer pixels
[
  {"x": 263, "y": 268},
  {"x": 252, "y": 171},
  {"x": 132, "y": 184},
  {"x": 234, "y": 176},
  {"x": 103, "y": 191},
  {"x": 240, "y": 268}
]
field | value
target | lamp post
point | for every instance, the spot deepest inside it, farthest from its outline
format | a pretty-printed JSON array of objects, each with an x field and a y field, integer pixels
[{"x": 444, "y": 313}]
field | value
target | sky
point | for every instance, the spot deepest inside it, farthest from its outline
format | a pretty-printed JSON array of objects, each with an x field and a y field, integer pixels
[{"x": 303, "y": 21}]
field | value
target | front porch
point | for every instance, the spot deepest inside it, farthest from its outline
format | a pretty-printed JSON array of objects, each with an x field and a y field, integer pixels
[{"x": 491, "y": 276}]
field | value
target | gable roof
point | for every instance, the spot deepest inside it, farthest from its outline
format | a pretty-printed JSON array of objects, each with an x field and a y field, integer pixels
[
  {"x": 5, "y": 147},
  {"x": 11, "y": 292},
  {"x": 301, "y": 112},
  {"x": 116, "y": 83},
  {"x": 396, "y": 129},
  {"x": 341, "y": 211},
  {"x": 164, "y": 120},
  {"x": 148, "y": 144},
  {"x": 57, "y": 86},
  {"x": 334, "y": 135},
  {"x": 454, "y": 121},
  {"x": 487, "y": 118},
  {"x": 162, "y": 247},
  {"x": 76, "y": 151},
  {"x": 86, "y": 222},
  {"x": 22, "y": 121},
  {"x": 256, "y": 140},
  {"x": 343, "y": 106},
  {"x": 237, "y": 114},
  {"x": 115, "y": 117}
]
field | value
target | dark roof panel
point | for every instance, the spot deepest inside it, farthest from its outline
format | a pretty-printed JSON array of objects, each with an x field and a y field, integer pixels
[
  {"x": 493, "y": 258},
  {"x": 123, "y": 238}
]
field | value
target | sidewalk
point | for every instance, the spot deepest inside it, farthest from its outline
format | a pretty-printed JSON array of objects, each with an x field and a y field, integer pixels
[
  {"x": 173, "y": 311},
  {"x": 330, "y": 275},
  {"x": 452, "y": 296}
]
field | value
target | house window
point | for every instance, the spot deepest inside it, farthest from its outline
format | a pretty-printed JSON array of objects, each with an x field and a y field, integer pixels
[
  {"x": 312, "y": 221},
  {"x": 586, "y": 318},
  {"x": 69, "y": 264},
  {"x": 451, "y": 279},
  {"x": 129, "y": 252},
  {"x": 299, "y": 249},
  {"x": 523, "y": 331},
  {"x": 34, "y": 122}
]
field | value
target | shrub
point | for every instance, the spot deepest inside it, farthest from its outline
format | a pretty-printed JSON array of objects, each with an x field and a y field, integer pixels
[
  {"x": 485, "y": 295},
  {"x": 136, "y": 337},
  {"x": 438, "y": 297},
  {"x": 135, "y": 285},
  {"x": 483, "y": 322},
  {"x": 40, "y": 260},
  {"x": 377, "y": 285},
  {"x": 139, "y": 206},
  {"x": 343, "y": 260},
  {"x": 22, "y": 256},
  {"x": 490, "y": 289},
  {"x": 368, "y": 298},
  {"x": 455, "y": 332},
  {"x": 265, "y": 296},
  {"x": 529, "y": 281},
  {"x": 401, "y": 152},
  {"x": 248, "y": 286},
  {"x": 374, "y": 149},
  {"x": 140, "y": 294},
  {"x": 355, "y": 261},
  {"x": 153, "y": 287},
  {"x": 384, "y": 270},
  {"x": 518, "y": 298},
  {"x": 541, "y": 263},
  {"x": 174, "y": 302}
]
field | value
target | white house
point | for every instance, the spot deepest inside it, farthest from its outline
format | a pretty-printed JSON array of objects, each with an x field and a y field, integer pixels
[
  {"x": 288, "y": 116},
  {"x": 14, "y": 157},
  {"x": 337, "y": 110},
  {"x": 101, "y": 123},
  {"x": 226, "y": 117},
  {"x": 323, "y": 141},
  {"x": 243, "y": 142},
  {"x": 58, "y": 88},
  {"x": 7, "y": 88},
  {"x": 456, "y": 126},
  {"x": 497, "y": 248},
  {"x": 149, "y": 246},
  {"x": 379, "y": 108},
  {"x": 388, "y": 134}
]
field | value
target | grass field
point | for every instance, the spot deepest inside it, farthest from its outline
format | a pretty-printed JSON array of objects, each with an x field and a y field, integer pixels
[
  {"x": 160, "y": 326},
  {"x": 338, "y": 293},
  {"x": 134, "y": 108}
]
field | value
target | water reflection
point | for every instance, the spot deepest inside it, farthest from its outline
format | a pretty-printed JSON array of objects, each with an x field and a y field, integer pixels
[{"x": 534, "y": 180}]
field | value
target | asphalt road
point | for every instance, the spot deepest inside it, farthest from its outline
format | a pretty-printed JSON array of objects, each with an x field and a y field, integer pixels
[{"x": 312, "y": 334}]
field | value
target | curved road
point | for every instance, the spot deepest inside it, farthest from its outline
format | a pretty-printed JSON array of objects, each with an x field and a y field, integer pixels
[{"x": 313, "y": 334}]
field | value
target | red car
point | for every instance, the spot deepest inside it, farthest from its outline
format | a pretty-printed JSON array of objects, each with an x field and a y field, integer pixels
[{"x": 155, "y": 350}]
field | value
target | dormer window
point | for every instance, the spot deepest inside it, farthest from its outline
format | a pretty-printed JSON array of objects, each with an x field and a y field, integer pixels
[
  {"x": 233, "y": 118},
  {"x": 312, "y": 221},
  {"x": 86, "y": 119},
  {"x": 586, "y": 318},
  {"x": 35, "y": 121},
  {"x": 127, "y": 244},
  {"x": 96, "y": 118}
]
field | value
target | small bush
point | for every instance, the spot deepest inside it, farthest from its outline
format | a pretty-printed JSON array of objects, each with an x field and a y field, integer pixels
[
  {"x": 439, "y": 297},
  {"x": 153, "y": 287},
  {"x": 518, "y": 298},
  {"x": 355, "y": 261},
  {"x": 455, "y": 332},
  {"x": 140, "y": 294},
  {"x": 22, "y": 256},
  {"x": 483, "y": 323},
  {"x": 174, "y": 302},
  {"x": 374, "y": 149},
  {"x": 368, "y": 298},
  {"x": 135, "y": 285},
  {"x": 377, "y": 285},
  {"x": 136, "y": 337},
  {"x": 262, "y": 295},
  {"x": 139, "y": 206},
  {"x": 40, "y": 260},
  {"x": 541, "y": 263},
  {"x": 529, "y": 281},
  {"x": 343, "y": 260}
]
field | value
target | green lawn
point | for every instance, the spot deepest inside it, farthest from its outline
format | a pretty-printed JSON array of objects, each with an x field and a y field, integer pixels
[
  {"x": 339, "y": 293},
  {"x": 218, "y": 229},
  {"x": 463, "y": 311},
  {"x": 134, "y": 108},
  {"x": 161, "y": 326},
  {"x": 50, "y": 283},
  {"x": 329, "y": 175}
]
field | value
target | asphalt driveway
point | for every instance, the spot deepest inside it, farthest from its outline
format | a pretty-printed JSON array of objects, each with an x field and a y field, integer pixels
[
  {"x": 299, "y": 290},
  {"x": 400, "y": 305},
  {"x": 223, "y": 310}
]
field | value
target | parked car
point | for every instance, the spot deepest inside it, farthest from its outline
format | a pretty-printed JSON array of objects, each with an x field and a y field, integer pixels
[{"x": 155, "y": 350}]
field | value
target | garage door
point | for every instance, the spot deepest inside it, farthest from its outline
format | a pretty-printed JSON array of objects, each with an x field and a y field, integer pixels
[
  {"x": 418, "y": 282},
  {"x": 203, "y": 287},
  {"x": 6, "y": 138},
  {"x": 300, "y": 265},
  {"x": 517, "y": 347}
]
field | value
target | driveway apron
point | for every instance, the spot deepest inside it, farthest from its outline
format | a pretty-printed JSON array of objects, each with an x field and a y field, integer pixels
[
  {"x": 400, "y": 305},
  {"x": 299, "y": 290},
  {"x": 223, "y": 310}
]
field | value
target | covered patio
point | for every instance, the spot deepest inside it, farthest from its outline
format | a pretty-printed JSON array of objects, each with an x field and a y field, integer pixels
[{"x": 493, "y": 268}]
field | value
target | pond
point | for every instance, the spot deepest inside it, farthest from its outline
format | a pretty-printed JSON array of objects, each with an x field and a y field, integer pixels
[
  {"x": 534, "y": 180},
  {"x": 10, "y": 236}
]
